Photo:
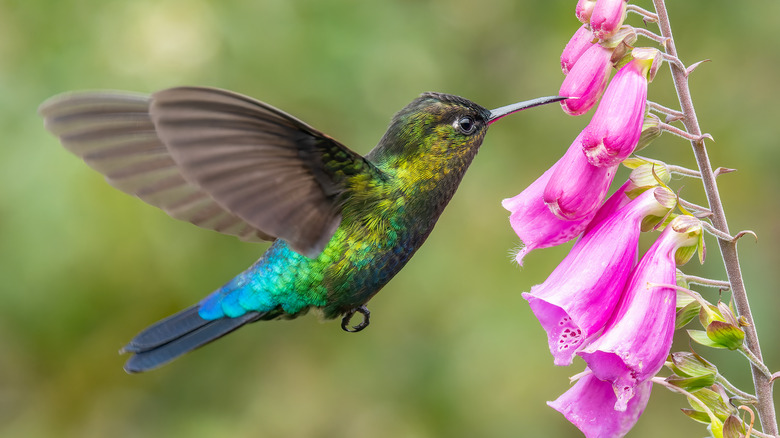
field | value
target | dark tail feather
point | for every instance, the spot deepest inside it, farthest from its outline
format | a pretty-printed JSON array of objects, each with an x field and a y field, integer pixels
[{"x": 185, "y": 331}]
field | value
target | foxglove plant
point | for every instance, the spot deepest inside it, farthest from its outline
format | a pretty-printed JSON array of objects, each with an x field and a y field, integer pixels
[
  {"x": 638, "y": 336},
  {"x": 579, "y": 296},
  {"x": 620, "y": 319}
]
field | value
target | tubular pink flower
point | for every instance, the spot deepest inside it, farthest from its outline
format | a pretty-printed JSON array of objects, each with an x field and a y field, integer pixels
[
  {"x": 579, "y": 296},
  {"x": 614, "y": 203},
  {"x": 576, "y": 187},
  {"x": 584, "y": 10},
  {"x": 581, "y": 41},
  {"x": 588, "y": 405},
  {"x": 586, "y": 80},
  {"x": 637, "y": 338},
  {"x": 607, "y": 17},
  {"x": 615, "y": 128},
  {"x": 533, "y": 221}
]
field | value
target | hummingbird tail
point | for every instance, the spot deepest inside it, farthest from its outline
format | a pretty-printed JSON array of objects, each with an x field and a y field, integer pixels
[{"x": 171, "y": 337}]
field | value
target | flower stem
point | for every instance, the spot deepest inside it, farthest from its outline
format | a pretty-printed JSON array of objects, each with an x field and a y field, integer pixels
[
  {"x": 650, "y": 35},
  {"x": 647, "y": 16},
  {"x": 744, "y": 396},
  {"x": 674, "y": 114},
  {"x": 755, "y": 361},
  {"x": 728, "y": 249},
  {"x": 683, "y": 171},
  {"x": 722, "y": 285}
]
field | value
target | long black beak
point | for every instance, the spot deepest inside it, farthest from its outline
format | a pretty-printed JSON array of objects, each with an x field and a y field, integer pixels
[{"x": 515, "y": 107}]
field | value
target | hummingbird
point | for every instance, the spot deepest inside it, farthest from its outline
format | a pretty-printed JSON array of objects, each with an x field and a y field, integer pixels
[{"x": 342, "y": 224}]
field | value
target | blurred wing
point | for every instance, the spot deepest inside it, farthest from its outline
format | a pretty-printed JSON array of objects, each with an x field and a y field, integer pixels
[
  {"x": 217, "y": 159},
  {"x": 272, "y": 170},
  {"x": 113, "y": 133}
]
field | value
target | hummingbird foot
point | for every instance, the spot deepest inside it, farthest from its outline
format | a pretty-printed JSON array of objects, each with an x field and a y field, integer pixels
[{"x": 363, "y": 310}]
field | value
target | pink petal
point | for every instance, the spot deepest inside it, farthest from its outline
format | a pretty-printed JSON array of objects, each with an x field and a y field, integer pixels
[
  {"x": 589, "y": 406},
  {"x": 533, "y": 221},
  {"x": 638, "y": 337},
  {"x": 586, "y": 80},
  {"x": 576, "y": 187},
  {"x": 580, "y": 295},
  {"x": 580, "y": 42},
  {"x": 615, "y": 128},
  {"x": 607, "y": 17}
]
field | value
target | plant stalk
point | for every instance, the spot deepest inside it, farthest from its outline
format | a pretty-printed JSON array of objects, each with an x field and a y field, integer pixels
[{"x": 728, "y": 249}]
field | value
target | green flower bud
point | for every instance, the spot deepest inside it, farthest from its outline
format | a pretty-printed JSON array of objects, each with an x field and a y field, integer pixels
[
  {"x": 728, "y": 335},
  {"x": 688, "y": 364},
  {"x": 651, "y": 129}
]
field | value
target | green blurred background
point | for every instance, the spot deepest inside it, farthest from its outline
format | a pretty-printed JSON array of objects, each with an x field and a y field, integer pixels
[{"x": 453, "y": 349}]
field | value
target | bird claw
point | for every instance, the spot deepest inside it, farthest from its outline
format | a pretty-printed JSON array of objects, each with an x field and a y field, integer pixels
[{"x": 363, "y": 310}]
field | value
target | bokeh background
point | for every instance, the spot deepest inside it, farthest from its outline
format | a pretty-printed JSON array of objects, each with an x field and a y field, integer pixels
[{"x": 453, "y": 349}]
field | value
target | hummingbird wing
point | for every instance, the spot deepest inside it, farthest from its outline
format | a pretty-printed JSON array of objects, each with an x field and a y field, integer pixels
[
  {"x": 265, "y": 166},
  {"x": 237, "y": 165},
  {"x": 114, "y": 134}
]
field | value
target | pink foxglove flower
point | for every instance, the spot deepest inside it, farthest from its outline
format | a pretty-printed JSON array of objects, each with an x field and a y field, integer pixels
[
  {"x": 645, "y": 175},
  {"x": 576, "y": 187},
  {"x": 614, "y": 130},
  {"x": 586, "y": 80},
  {"x": 580, "y": 295},
  {"x": 606, "y": 17},
  {"x": 581, "y": 41},
  {"x": 533, "y": 221},
  {"x": 584, "y": 10},
  {"x": 589, "y": 406},
  {"x": 638, "y": 336},
  {"x": 618, "y": 200}
]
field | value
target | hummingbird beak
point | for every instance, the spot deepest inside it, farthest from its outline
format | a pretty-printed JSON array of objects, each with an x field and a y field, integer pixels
[{"x": 515, "y": 107}]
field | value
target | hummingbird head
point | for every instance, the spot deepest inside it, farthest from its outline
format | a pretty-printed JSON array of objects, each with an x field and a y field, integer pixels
[
  {"x": 437, "y": 135},
  {"x": 434, "y": 127}
]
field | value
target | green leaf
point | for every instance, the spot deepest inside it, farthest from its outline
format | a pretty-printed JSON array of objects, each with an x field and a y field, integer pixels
[{"x": 688, "y": 364}]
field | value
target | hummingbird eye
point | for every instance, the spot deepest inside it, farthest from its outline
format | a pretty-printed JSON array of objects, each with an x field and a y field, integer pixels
[{"x": 466, "y": 125}]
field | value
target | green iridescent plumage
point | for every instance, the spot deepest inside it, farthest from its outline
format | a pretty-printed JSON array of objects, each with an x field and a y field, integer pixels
[{"x": 343, "y": 224}]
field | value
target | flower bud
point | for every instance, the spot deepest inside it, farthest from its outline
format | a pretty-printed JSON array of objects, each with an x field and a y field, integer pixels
[
  {"x": 688, "y": 364},
  {"x": 586, "y": 80},
  {"x": 717, "y": 404},
  {"x": 584, "y": 10},
  {"x": 607, "y": 16},
  {"x": 691, "y": 371},
  {"x": 651, "y": 129},
  {"x": 581, "y": 41},
  {"x": 726, "y": 335},
  {"x": 614, "y": 130}
]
